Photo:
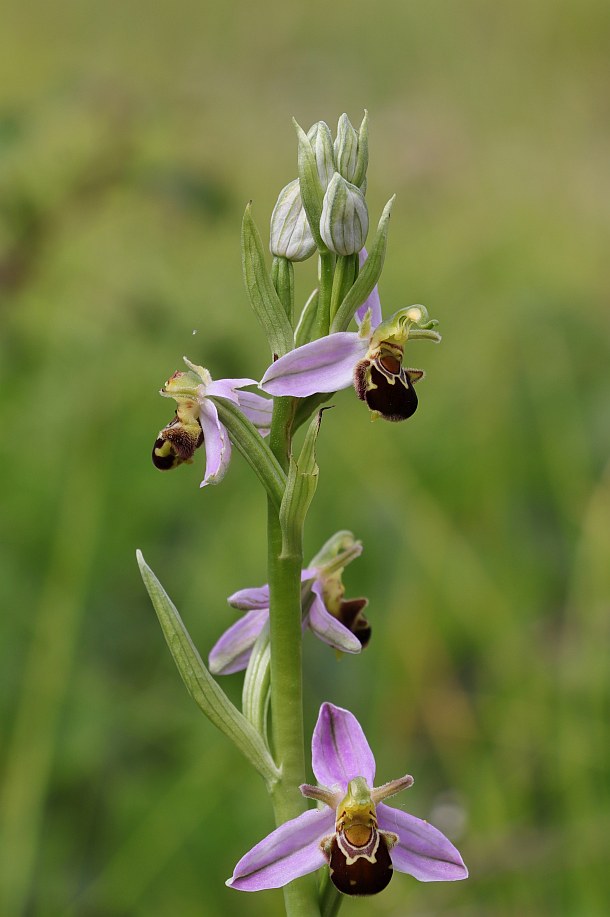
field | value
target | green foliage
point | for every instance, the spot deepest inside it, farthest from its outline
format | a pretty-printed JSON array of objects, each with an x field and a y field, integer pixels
[{"x": 130, "y": 140}]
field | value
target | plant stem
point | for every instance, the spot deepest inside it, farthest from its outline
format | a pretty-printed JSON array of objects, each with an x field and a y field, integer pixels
[
  {"x": 327, "y": 269},
  {"x": 286, "y": 679},
  {"x": 331, "y": 898},
  {"x": 345, "y": 274}
]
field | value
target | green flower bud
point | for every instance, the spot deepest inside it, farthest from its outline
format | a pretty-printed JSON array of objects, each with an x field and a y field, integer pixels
[
  {"x": 291, "y": 236},
  {"x": 321, "y": 141},
  {"x": 345, "y": 219},
  {"x": 352, "y": 151}
]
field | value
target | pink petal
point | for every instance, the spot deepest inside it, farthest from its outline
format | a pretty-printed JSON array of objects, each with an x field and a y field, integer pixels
[
  {"x": 251, "y": 597},
  {"x": 422, "y": 850},
  {"x": 257, "y": 409},
  {"x": 325, "y": 365},
  {"x": 292, "y": 850},
  {"x": 327, "y": 627},
  {"x": 217, "y": 444},
  {"x": 225, "y": 388},
  {"x": 232, "y": 651},
  {"x": 339, "y": 748},
  {"x": 372, "y": 302}
]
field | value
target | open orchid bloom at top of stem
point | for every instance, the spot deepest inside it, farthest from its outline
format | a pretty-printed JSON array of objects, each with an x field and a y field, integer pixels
[
  {"x": 337, "y": 621},
  {"x": 369, "y": 359},
  {"x": 197, "y": 422},
  {"x": 360, "y": 838}
]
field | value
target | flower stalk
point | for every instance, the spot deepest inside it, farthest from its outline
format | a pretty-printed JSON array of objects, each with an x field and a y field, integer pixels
[
  {"x": 327, "y": 273},
  {"x": 284, "y": 572},
  {"x": 352, "y": 835}
]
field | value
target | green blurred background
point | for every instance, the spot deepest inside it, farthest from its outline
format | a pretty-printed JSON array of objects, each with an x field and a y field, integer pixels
[{"x": 131, "y": 137}]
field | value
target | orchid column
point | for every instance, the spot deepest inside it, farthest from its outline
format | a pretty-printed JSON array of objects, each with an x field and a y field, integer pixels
[{"x": 313, "y": 355}]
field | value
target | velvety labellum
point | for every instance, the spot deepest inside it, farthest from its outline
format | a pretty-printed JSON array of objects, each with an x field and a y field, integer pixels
[
  {"x": 386, "y": 386},
  {"x": 176, "y": 444},
  {"x": 359, "y": 861},
  {"x": 351, "y": 615}
]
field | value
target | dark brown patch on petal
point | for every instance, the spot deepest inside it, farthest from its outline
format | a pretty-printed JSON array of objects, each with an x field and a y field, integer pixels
[
  {"x": 360, "y": 877},
  {"x": 176, "y": 444},
  {"x": 350, "y": 614},
  {"x": 394, "y": 399},
  {"x": 390, "y": 362},
  {"x": 163, "y": 455}
]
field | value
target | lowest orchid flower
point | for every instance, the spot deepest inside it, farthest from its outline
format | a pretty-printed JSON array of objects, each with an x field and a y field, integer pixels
[
  {"x": 369, "y": 359},
  {"x": 337, "y": 621},
  {"x": 360, "y": 838},
  {"x": 197, "y": 422}
]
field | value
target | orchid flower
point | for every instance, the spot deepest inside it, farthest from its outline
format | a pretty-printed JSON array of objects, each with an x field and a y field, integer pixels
[
  {"x": 369, "y": 359},
  {"x": 360, "y": 838},
  {"x": 197, "y": 422},
  {"x": 337, "y": 621}
]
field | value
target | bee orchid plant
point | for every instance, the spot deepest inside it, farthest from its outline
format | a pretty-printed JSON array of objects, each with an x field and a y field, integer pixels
[{"x": 353, "y": 840}]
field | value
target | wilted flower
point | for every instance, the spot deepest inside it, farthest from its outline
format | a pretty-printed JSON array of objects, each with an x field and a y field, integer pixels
[
  {"x": 360, "y": 838},
  {"x": 197, "y": 420},
  {"x": 369, "y": 359},
  {"x": 337, "y": 621}
]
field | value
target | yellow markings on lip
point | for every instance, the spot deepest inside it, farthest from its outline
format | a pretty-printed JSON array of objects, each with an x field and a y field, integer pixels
[{"x": 359, "y": 835}]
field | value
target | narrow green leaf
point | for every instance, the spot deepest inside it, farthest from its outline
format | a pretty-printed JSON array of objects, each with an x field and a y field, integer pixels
[
  {"x": 346, "y": 273},
  {"x": 263, "y": 297},
  {"x": 282, "y": 277},
  {"x": 306, "y": 407},
  {"x": 368, "y": 276},
  {"x": 305, "y": 329},
  {"x": 300, "y": 489},
  {"x": 253, "y": 447},
  {"x": 206, "y": 693},
  {"x": 257, "y": 681},
  {"x": 362, "y": 160}
]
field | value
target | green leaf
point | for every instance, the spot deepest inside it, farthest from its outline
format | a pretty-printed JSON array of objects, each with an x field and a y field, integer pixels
[
  {"x": 300, "y": 489},
  {"x": 362, "y": 160},
  {"x": 368, "y": 276},
  {"x": 305, "y": 329},
  {"x": 257, "y": 682},
  {"x": 282, "y": 277},
  {"x": 263, "y": 297},
  {"x": 253, "y": 447},
  {"x": 206, "y": 693}
]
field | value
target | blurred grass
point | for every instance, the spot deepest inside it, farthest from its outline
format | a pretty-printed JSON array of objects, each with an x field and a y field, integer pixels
[{"x": 131, "y": 137}]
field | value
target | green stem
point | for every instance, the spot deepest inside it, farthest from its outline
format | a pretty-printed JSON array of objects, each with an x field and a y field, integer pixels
[
  {"x": 331, "y": 898},
  {"x": 286, "y": 679},
  {"x": 344, "y": 277},
  {"x": 327, "y": 269}
]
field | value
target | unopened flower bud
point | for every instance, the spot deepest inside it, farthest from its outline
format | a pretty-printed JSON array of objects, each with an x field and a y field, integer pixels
[
  {"x": 345, "y": 219},
  {"x": 290, "y": 235},
  {"x": 321, "y": 141},
  {"x": 352, "y": 151}
]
